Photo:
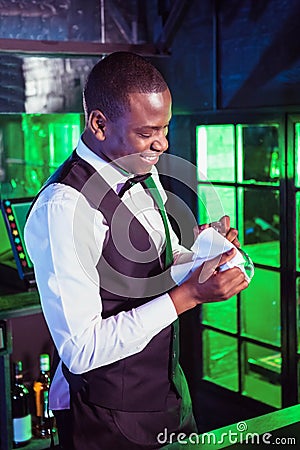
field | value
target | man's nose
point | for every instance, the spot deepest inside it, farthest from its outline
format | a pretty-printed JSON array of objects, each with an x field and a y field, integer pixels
[{"x": 160, "y": 144}]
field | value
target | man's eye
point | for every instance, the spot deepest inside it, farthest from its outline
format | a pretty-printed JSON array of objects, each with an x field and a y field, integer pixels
[{"x": 146, "y": 136}]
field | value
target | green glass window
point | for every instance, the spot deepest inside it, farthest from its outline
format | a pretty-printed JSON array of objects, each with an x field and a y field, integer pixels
[
  {"x": 63, "y": 138},
  {"x": 259, "y": 153},
  {"x": 220, "y": 359},
  {"x": 215, "y": 201},
  {"x": 298, "y": 381},
  {"x": 298, "y": 230},
  {"x": 260, "y": 307},
  {"x": 259, "y": 224},
  {"x": 298, "y": 310},
  {"x": 33, "y": 145},
  {"x": 49, "y": 140},
  {"x": 215, "y": 152},
  {"x": 297, "y": 154},
  {"x": 222, "y": 315},
  {"x": 261, "y": 374},
  {"x": 13, "y": 182},
  {"x": 242, "y": 173}
]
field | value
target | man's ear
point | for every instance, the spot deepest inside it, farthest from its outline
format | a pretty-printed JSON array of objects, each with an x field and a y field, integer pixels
[{"x": 97, "y": 124}]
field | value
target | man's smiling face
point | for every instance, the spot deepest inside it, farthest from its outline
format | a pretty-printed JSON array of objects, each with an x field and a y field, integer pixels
[{"x": 135, "y": 140}]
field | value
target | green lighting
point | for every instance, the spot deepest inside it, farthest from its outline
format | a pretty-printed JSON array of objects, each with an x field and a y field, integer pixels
[
  {"x": 222, "y": 315},
  {"x": 297, "y": 154},
  {"x": 263, "y": 294},
  {"x": 215, "y": 152},
  {"x": 34, "y": 146},
  {"x": 239, "y": 168},
  {"x": 259, "y": 155},
  {"x": 220, "y": 359},
  {"x": 261, "y": 374},
  {"x": 48, "y": 140}
]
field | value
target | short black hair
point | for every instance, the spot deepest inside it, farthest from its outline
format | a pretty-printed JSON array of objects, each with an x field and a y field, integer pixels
[{"x": 114, "y": 77}]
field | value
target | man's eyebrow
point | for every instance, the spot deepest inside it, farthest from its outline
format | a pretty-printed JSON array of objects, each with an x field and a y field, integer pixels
[{"x": 152, "y": 127}]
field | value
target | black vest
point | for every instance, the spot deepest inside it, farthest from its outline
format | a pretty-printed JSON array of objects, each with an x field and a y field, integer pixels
[{"x": 131, "y": 275}]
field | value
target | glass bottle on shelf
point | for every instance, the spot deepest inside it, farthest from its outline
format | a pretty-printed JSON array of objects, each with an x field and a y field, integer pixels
[
  {"x": 44, "y": 426},
  {"x": 21, "y": 416}
]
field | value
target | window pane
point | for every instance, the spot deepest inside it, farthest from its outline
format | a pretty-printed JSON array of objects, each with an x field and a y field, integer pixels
[
  {"x": 51, "y": 137},
  {"x": 220, "y": 359},
  {"x": 214, "y": 202},
  {"x": 215, "y": 152},
  {"x": 298, "y": 310},
  {"x": 221, "y": 315},
  {"x": 259, "y": 225},
  {"x": 258, "y": 153},
  {"x": 297, "y": 154},
  {"x": 298, "y": 230},
  {"x": 261, "y": 377},
  {"x": 32, "y": 146},
  {"x": 260, "y": 306},
  {"x": 298, "y": 381}
]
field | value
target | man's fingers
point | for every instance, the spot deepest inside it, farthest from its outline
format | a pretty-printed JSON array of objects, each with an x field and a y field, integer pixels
[
  {"x": 232, "y": 236},
  {"x": 222, "y": 225},
  {"x": 224, "y": 228},
  {"x": 211, "y": 266},
  {"x": 225, "y": 221},
  {"x": 198, "y": 229}
]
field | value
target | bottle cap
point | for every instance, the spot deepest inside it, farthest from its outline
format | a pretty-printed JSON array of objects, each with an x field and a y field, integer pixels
[{"x": 45, "y": 362}]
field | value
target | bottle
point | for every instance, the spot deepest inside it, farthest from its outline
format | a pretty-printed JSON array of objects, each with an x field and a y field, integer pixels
[
  {"x": 21, "y": 416},
  {"x": 44, "y": 417}
]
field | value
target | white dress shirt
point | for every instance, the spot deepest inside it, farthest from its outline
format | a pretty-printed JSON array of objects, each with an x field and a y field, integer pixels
[{"x": 68, "y": 281}]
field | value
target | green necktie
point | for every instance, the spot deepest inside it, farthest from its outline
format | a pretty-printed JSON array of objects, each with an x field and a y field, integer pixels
[
  {"x": 177, "y": 374},
  {"x": 149, "y": 182}
]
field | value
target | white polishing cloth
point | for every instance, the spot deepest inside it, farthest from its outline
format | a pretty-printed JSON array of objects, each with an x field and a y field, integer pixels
[{"x": 207, "y": 246}]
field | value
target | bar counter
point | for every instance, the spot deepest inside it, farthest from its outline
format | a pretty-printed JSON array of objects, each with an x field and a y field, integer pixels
[
  {"x": 280, "y": 428},
  {"x": 19, "y": 304}
]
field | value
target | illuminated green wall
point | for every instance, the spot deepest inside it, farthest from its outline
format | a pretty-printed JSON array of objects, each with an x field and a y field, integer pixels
[{"x": 32, "y": 146}]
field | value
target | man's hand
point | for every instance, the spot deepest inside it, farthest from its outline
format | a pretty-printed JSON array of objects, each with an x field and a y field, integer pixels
[
  {"x": 223, "y": 227},
  {"x": 208, "y": 284}
]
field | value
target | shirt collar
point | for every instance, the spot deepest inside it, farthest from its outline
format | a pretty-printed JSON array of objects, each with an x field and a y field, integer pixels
[{"x": 113, "y": 177}]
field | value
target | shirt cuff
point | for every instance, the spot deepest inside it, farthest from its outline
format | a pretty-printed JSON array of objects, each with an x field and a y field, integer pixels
[{"x": 158, "y": 313}]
